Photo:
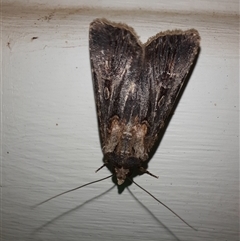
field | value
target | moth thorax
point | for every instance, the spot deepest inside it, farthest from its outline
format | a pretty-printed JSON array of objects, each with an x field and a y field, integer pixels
[{"x": 121, "y": 174}]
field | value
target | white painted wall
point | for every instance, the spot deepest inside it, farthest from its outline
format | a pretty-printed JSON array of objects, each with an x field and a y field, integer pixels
[{"x": 49, "y": 134}]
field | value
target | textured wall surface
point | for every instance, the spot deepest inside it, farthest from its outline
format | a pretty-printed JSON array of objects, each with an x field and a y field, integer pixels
[{"x": 49, "y": 132}]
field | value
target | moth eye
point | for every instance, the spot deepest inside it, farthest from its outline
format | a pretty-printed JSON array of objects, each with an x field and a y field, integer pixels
[
  {"x": 161, "y": 101},
  {"x": 106, "y": 93}
]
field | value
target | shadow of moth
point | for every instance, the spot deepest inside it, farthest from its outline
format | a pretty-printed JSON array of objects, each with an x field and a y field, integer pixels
[{"x": 135, "y": 87}]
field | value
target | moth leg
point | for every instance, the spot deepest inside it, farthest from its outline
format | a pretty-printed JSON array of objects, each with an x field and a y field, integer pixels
[
  {"x": 101, "y": 167},
  {"x": 143, "y": 170}
]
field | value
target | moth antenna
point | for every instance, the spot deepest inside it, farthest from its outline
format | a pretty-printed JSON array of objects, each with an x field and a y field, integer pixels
[
  {"x": 71, "y": 190},
  {"x": 100, "y": 167},
  {"x": 163, "y": 204}
]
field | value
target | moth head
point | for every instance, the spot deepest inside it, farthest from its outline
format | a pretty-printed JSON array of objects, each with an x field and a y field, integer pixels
[{"x": 121, "y": 174}]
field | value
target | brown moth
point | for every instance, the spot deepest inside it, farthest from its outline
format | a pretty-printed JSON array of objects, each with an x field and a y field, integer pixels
[{"x": 136, "y": 86}]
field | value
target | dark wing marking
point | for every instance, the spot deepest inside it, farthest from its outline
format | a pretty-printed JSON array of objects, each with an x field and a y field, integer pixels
[{"x": 168, "y": 58}]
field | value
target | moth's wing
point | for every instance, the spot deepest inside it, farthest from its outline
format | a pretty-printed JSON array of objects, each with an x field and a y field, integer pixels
[
  {"x": 168, "y": 58},
  {"x": 116, "y": 58}
]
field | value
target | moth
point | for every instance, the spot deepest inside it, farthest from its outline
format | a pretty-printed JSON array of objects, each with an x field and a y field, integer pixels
[{"x": 135, "y": 86}]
